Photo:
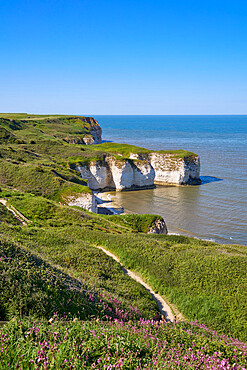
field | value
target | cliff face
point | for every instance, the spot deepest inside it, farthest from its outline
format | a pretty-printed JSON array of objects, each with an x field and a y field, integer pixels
[
  {"x": 90, "y": 134},
  {"x": 95, "y": 131},
  {"x": 170, "y": 170},
  {"x": 86, "y": 201},
  {"x": 112, "y": 173},
  {"x": 140, "y": 171}
]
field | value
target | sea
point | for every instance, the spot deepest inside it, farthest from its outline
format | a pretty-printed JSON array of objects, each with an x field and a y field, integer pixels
[{"x": 216, "y": 210}]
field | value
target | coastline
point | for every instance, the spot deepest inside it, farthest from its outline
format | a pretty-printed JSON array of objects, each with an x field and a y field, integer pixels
[
  {"x": 107, "y": 201},
  {"x": 214, "y": 210}
]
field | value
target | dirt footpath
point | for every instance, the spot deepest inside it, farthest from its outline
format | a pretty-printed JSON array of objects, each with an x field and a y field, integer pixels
[
  {"x": 163, "y": 306},
  {"x": 18, "y": 215}
]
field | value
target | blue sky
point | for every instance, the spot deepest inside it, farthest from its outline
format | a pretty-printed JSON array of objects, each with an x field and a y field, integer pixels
[{"x": 123, "y": 57}]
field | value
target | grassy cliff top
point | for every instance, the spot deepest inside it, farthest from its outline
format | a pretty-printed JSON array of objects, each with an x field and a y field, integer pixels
[
  {"x": 38, "y": 152},
  {"x": 205, "y": 281},
  {"x": 34, "y": 152},
  {"x": 26, "y": 116},
  {"x": 127, "y": 149}
]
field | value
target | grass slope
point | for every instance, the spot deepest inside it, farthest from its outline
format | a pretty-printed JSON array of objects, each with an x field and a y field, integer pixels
[
  {"x": 52, "y": 238},
  {"x": 52, "y": 266},
  {"x": 36, "y": 154},
  {"x": 132, "y": 345},
  {"x": 204, "y": 280}
]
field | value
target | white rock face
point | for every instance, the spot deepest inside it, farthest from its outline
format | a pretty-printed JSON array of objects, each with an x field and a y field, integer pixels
[
  {"x": 86, "y": 201},
  {"x": 140, "y": 171},
  {"x": 167, "y": 169},
  {"x": 122, "y": 174},
  {"x": 98, "y": 175},
  {"x": 144, "y": 174},
  {"x": 88, "y": 140},
  {"x": 171, "y": 170},
  {"x": 117, "y": 174}
]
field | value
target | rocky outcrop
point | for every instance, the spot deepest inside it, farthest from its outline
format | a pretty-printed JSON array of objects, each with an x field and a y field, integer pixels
[
  {"x": 140, "y": 171},
  {"x": 95, "y": 131},
  {"x": 86, "y": 201},
  {"x": 158, "y": 227},
  {"x": 171, "y": 169},
  {"x": 89, "y": 134},
  {"x": 118, "y": 174}
]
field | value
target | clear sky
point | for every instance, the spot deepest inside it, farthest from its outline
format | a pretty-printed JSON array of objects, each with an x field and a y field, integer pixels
[{"x": 123, "y": 56}]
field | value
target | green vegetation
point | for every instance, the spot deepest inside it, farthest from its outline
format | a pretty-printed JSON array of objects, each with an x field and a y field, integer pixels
[
  {"x": 125, "y": 150},
  {"x": 26, "y": 116},
  {"x": 52, "y": 268},
  {"x": 204, "y": 280},
  {"x": 179, "y": 153},
  {"x": 132, "y": 345},
  {"x": 31, "y": 286},
  {"x": 137, "y": 223},
  {"x": 6, "y": 216},
  {"x": 55, "y": 239}
]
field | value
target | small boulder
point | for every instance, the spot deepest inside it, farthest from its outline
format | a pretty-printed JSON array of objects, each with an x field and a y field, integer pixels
[{"x": 158, "y": 227}]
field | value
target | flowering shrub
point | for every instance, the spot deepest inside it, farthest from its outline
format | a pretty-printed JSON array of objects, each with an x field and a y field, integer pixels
[{"x": 141, "y": 344}]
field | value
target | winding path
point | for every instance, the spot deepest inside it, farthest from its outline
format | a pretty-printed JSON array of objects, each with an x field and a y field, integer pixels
[
  {"x": 18, "y": 215},
  {"x": 164, "y": 308}
]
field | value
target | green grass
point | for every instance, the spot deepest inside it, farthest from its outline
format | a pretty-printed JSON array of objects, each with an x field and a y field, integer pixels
[
  {"x": 56, "y": 238},
  {"x": 30, "y": 286},
  {"x": 205, "y": 281},
  {"x": 107, "y": 345},
  {"x": 61, "y": 128},
  {"x": 6, "y": 216},
  {"x": 126, "y": 150},
  {"x": 26, "y": 116},
  {"x": 179, "y": 153},
  {"x": 57, "y": 247},
  {"x": 137, "y": 223}
]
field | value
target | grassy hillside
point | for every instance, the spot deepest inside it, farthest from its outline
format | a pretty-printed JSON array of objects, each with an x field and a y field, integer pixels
[
  {"x": 206, "y": 281},
  {"x": 50, "y": 239},
  {"x": 52, "y": 268},
  {"x": 31, "y": 286},
  {"x": 38, "y": 153}
]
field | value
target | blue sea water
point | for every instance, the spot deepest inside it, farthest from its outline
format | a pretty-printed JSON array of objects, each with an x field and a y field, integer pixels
[{"x": 215, "y": 210}]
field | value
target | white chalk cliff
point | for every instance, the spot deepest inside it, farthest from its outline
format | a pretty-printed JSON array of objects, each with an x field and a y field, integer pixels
[
  {"x": 140, "y": 171},
  {"x": 170, "y": 169},
  {"x": 86, "y": 201}
]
